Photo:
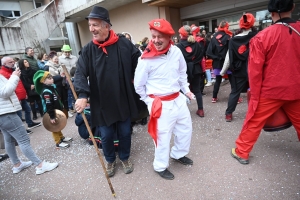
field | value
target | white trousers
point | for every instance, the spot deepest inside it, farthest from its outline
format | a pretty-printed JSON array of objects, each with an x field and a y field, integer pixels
[{"x": 178, "y": 121}]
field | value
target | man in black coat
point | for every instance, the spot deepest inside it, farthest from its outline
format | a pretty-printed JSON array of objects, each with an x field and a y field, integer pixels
[{"x": 105, "y": 73}]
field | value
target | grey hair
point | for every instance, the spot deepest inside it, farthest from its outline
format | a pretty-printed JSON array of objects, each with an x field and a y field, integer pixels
[
  {"x": 104, "y": 24},
  {"x": 190, "y": 38},
  {"x": 4, "y": 59}
]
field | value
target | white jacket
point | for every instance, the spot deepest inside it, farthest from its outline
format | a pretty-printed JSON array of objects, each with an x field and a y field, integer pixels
[
  {"x": 9, "y": 102},
  {"x": 68, "y": 62}
]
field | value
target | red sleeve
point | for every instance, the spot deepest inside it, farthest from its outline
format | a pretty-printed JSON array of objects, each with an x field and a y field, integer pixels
[{"x": 255, "y": 67}]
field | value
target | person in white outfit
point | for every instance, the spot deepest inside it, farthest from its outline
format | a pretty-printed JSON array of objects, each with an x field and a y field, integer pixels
[{"x": 159, "y": 77}]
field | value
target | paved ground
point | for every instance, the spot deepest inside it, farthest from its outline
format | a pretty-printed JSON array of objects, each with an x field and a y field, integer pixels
[{"x": 273, "y": 172}]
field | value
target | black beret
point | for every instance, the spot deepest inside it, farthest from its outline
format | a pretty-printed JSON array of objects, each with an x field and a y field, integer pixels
[{"x": 280, "y": 5}]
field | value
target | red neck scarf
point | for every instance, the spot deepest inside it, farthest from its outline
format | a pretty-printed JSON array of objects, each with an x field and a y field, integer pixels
[
  {"x": 113, "y": 38},
  {"x": 225, "y": 29},
  {"x": 151, "y": 51}
]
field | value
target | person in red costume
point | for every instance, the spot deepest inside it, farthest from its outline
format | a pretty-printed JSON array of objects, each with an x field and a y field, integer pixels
[
  {"x": 274, "y": 74},
  {"x": 159, "y": 77}
]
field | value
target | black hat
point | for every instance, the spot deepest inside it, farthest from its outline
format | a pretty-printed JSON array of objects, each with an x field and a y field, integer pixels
[
  {"x": 99, "y": 13},
  {"x": 280, "y": 5}
]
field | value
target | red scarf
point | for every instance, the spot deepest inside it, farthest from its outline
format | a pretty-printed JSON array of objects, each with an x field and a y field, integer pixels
[
  {"x": 113, "y": 38},
  {"x": 151, "y": 51},
  {"x": 225, "y": 29},
  {"x": 156, "y": 112}
]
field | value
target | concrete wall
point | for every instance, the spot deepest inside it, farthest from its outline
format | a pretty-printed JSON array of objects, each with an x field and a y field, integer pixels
[
  {"x": 26, "y": 6},
  {"x": 216, "y": 7},
  {"x": 132, "y": 18},
  {"x": 11, "y": 41},
  {"x": 175, "y": 19},
  {"x": 84, "y": 33}
]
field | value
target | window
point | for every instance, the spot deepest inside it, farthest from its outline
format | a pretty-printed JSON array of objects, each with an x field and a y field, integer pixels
[
  {"x": 37, "y": 5},
  {"x": 10, "y": 13},
  {"x": 17, "y": 13},
  {"x": 6, "y": 13}
]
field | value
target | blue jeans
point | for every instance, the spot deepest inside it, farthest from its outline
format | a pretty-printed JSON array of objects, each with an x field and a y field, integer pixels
[
  {"x": 27, "y": 110},
  {"x": 11, "y": 127},
  {"x": 123, "y": 129},
  {"x": 70, "y": 99}
]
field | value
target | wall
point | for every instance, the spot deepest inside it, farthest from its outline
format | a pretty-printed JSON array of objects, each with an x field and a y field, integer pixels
[
  {"x": 132, "y": 18},
  {"x": 11, "y": 41},
  {"x": 26, "y": 6},
  {"x": 175, "y": 20},
  {"x": 216, "y": 7},
  {"x": 84, "y": 33}
]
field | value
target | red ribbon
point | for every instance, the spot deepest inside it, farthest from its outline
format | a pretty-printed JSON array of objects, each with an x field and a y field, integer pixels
[{"x": 156, "y": 113}]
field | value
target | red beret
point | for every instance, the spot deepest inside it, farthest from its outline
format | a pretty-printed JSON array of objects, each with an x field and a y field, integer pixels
[
  {"x": 195, "y": 29},
  {"x": 247, "y": 21},
  {"x": 162, "y": 26},
  {"x": 183, "y": 32}
]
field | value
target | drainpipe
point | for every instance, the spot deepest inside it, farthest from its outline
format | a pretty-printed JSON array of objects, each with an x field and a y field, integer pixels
[{"x": 33, "y": 1}]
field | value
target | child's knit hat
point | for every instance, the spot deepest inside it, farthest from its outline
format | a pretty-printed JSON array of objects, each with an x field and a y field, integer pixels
[{"x": 38, "y": 80}]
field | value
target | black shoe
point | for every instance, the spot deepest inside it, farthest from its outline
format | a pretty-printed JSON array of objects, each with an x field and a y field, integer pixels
[
  {"x": 144, "y": 121},
  {"x": 241, "y": 160},
  {"x": 28, "y": 131},
  {"x": 3, "y": 157},
  {"x": 23, "y": 120},
  {"x": 184, "y": 160},
  {"x": 33, "y": 125},
  {"x": 166, "y": 174}
]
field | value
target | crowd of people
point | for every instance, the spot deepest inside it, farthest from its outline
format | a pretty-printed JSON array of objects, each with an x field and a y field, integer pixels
[{"x": 119, "y": 82}]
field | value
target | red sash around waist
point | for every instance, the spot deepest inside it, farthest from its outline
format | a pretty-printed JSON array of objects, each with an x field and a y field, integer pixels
[{"x": 156, "y": 112}]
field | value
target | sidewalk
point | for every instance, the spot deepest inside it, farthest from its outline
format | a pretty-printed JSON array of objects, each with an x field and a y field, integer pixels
[{"x": 273, "y": 172}]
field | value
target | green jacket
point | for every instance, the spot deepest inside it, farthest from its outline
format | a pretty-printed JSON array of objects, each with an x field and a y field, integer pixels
[{"x": 32, "y": 62}]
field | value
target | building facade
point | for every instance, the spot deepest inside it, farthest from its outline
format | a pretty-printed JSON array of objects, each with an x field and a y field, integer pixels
[{"x": 52, "y": 21}]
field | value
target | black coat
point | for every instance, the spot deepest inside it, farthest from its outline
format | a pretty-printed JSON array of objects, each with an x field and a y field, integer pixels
[
  {"x": 239, "y": 53},
  {"x": 217, "y": 49},
  {"x": 27, "y": 80},
  {"x": 193, "y": 58},
  {"x": 110, "y": 87}
]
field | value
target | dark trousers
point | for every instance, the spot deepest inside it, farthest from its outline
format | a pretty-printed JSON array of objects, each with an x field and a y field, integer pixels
[
  {"x": 195, "y": 83},
  {"x": 238, "y": 85},
  {"x": 123, "y": 129},
  {"x": 218, "y": 83},
  {"x": 36, "y": 100},
  {"x": 202, "y": 82},
  {"x": 27, "y": 110}
]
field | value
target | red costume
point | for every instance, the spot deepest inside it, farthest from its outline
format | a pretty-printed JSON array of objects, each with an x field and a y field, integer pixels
[{"x": 274, "y": 77}]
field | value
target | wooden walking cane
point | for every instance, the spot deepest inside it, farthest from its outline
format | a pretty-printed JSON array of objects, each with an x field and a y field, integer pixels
[{"x": 89, "y": 130}]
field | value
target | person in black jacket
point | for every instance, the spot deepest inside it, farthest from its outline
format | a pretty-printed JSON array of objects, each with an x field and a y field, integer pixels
[
  {"x": 237, "y": 61},
  {"x": 27, "y": 79},
  {"x": 51, "y": 100},
  {"x": 193, "y": 54},
  {"x": 217, "y": 50},
  {"x": 105, "y": 70}
]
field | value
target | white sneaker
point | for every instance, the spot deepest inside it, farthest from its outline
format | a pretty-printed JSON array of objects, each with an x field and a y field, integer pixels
[
  {"x": 23, "y": 165},
  {"x": 62, "y": 145},
  {"x": 46, "y": 167},
  {"x": 67, "y": 139},
  {"x": 70, "y": 114},
  {"x": 208, "y": 84}
]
